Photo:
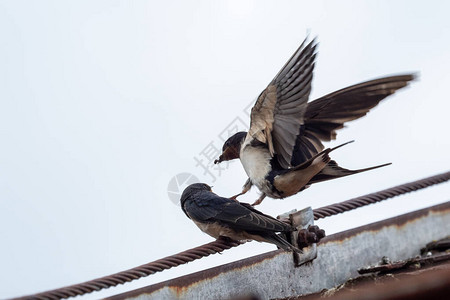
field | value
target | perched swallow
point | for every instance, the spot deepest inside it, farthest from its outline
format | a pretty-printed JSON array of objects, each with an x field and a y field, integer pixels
[
  {"x": 282, "y": 153},
  {"x": 218, "y": 216}
]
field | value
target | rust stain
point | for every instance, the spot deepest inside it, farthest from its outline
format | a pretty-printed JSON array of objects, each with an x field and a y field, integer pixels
[
  {"x": 184, "y": 286},
  {"x": 184, "y": 283},
  {"x": 181, "y": 290},
  {"x": 428, "y": 283}
]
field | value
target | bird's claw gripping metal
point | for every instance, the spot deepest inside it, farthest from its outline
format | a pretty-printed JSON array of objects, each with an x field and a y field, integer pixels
[{"x": 306, "y": 236}]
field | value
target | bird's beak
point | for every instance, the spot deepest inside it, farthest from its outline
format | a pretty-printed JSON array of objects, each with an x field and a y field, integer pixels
[
  {"x": 219, "y": 160},
  {"x": 228, "y": 154}
]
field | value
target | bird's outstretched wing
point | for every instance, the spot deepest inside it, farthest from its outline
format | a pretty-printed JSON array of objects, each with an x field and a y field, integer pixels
[
  {"x": 278, "y": 113},
  {"x": 329, "y": 113},
  {"x": 208, "y": 207}
]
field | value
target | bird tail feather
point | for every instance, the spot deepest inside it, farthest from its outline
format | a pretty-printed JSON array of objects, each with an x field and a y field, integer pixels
[
  {"x": 278, "y": 240},
  {"x": 332, "y": 171}
]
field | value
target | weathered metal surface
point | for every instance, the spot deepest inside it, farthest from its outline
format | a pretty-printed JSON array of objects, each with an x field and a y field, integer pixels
[
  {"x": 403, "y": 264},
  {"x": 431, "y": 282},
  {"x": 437, "y": 246},
  {"x": 301, "y": 220},
  {"x": 273, "y": 274}
]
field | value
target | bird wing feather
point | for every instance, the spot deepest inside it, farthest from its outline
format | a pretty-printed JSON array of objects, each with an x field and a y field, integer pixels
[
  {"x": 278, "y": 112},
  {"x": 329, "y": 113},
  {"x": 208, "y": 207}
]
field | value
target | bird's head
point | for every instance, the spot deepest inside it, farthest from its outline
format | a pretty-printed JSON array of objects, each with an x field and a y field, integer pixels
[
  {"x": 232, "y": 147},
  {"x": 193, "y": 189}
]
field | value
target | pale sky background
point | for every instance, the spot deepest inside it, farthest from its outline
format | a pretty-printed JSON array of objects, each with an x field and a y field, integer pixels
[{"x": 102, "y": 103}]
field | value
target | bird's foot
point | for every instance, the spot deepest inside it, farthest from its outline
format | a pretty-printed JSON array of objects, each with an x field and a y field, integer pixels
[
  {"x": 257, "y": 202},
  {"x": 260, "y": 199},
  {"x": 309, "y": 236},
  {"x": 235, "y": 197}
]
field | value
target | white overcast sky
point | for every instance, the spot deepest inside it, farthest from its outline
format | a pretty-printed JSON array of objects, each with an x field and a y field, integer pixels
[{"x": 102, "y": 103}]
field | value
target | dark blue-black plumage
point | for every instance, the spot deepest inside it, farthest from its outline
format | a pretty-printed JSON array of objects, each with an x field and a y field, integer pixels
[{"x": 219, "y": 216}]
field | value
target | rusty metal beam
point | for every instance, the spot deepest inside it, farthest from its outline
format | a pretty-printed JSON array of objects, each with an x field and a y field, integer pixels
[
  {"x": 423, "y": 283},
  {"x": 273, "y": 274}
]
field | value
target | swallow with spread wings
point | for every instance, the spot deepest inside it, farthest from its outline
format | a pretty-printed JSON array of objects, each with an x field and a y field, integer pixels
[{"x": 282, "y": 153}]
